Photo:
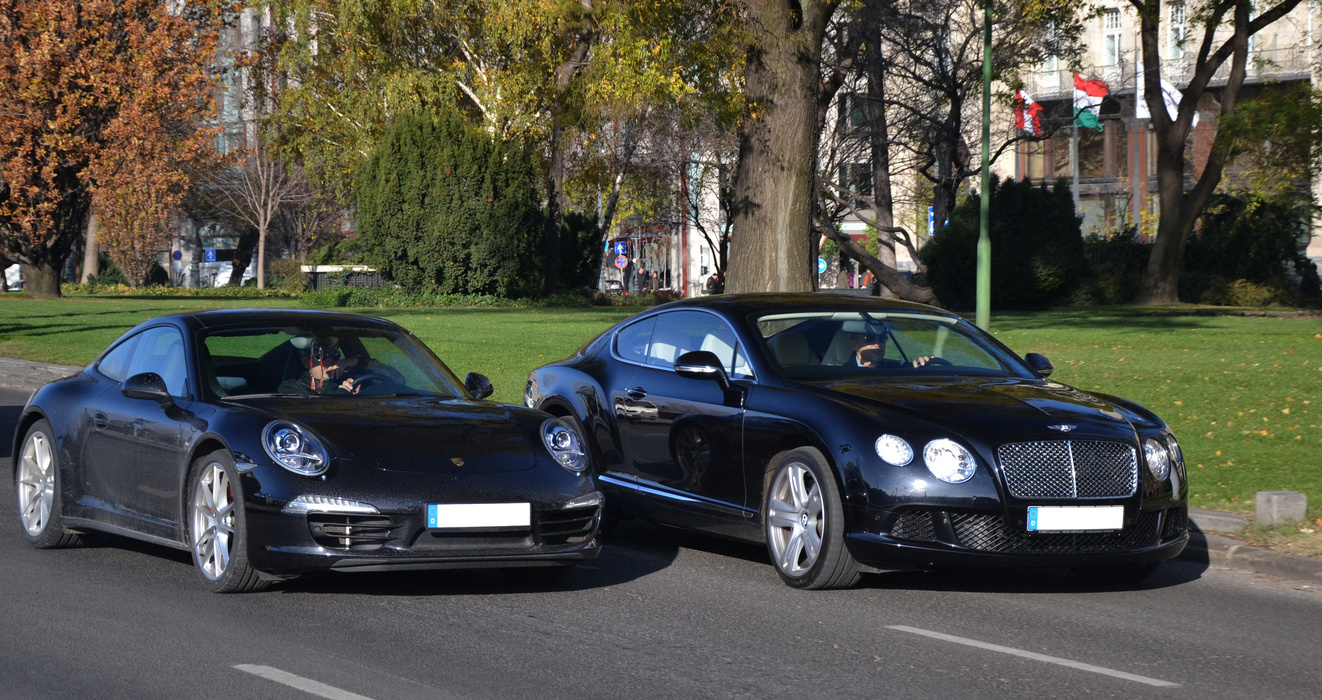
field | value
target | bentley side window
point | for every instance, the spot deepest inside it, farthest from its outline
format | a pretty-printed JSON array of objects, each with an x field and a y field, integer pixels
[{"x": 631, "y": 342}]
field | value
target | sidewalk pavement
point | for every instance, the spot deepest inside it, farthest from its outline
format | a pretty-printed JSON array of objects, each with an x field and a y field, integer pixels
[{"x": 1205, "y": 546}]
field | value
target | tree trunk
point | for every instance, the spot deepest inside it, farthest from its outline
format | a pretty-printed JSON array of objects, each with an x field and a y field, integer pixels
[
  {"x": 42, "y": 280},
  {"x": 771, "y": 245},
  {"x": 242, "y": 256},
  {"x": 879, "y": 144},
  {"x": 261, "y": 258},
  {"x": 91, "y": 251}
]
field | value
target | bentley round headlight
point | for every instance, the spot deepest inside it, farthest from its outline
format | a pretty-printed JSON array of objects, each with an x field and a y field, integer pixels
[
  {"x": 1158, "y": 458},
  {"x": 565, "y": 445},
  {"x": 949, "y": 461},
  {"x": 894, "y": 450},
  {"x": 294, "y": 449}
]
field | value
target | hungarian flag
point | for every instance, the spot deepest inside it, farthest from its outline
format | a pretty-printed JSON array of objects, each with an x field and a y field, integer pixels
[
  {"x": 1027, "y": 114},
  {"x": 1088, "y": 96}
]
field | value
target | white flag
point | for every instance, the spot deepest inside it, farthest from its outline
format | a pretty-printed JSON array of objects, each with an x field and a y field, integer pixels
[{"x": 1169, "y": 95}]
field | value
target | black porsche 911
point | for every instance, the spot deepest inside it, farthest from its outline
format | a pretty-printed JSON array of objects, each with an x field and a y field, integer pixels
[
  {"x": 853, "y": 435},
  {"x": 275, "y": 443}
]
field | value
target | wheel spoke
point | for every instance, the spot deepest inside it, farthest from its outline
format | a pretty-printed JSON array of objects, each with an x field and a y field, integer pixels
[
  {"x": 795, "y": 474},
  {"x": 789, "y": 558},
  {"x": 782, "y": 518},
  {"x": 812, "y": 544}
]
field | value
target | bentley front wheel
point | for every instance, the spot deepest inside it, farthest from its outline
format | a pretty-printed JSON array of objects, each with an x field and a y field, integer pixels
[{"x": 804, "y": 523}]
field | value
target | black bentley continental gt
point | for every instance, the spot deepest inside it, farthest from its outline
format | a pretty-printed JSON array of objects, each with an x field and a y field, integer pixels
[
  {"x": 853, "y": 435},
  {"x": 275, "y": 443}
]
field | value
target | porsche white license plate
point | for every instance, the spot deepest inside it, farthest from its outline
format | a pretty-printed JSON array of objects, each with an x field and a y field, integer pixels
[
  {"x": 1075, "y": 518},
  {"x": 478, "y": 516}
]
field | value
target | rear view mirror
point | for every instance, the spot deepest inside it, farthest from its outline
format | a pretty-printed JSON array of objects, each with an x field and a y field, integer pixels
[
  {"x": 1040, "y": 364},
  {"x": 702, "y": 364},
  {"x": 147, "y": 385},
  {"x": 478, "y": 385}
]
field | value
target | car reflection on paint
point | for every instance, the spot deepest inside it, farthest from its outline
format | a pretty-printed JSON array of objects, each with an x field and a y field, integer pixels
[
  {"x": 275, "y": 443},
  {"x": 851, "y": 435}
]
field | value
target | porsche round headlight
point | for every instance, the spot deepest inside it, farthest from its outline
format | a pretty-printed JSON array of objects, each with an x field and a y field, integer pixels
[
  {"x": 949, "y": 461},
  {"x": 565, "y": 445},
  {"x": 894, "y": 450},
  {"x": 294, "y": 449},
  {"x": 1158, "y": 458}
]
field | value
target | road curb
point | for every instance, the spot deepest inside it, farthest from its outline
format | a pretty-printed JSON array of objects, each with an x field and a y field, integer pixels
[{"x": 1204, "y": 547}]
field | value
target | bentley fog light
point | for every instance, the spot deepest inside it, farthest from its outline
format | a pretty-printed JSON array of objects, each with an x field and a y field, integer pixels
[
  {"x": 565, "y": 445},
  {"x": 949, "y": 461},
  {"x": 894, "y": 450},
  {"x": 1158, "y": 459},
  {"x": 294, "y": 449}
]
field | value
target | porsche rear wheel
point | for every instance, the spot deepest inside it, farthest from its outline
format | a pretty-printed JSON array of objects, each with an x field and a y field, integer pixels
[
  {"x": 804, "y": 523},
  {"x": 37, "y": 481},
  {"x": 217, "y": 530}
]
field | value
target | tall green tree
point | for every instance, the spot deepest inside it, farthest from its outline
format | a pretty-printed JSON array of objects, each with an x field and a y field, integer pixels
[{"x": 445, "y": 207}]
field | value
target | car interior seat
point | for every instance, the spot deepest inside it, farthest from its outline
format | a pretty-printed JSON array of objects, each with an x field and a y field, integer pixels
[{"x": 791, "y": 349}]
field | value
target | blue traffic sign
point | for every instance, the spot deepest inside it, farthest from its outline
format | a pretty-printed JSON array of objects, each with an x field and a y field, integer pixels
[
  {"x": 210, "y": 255},
  {"x": 821, "y": 266},
  {"x": 621, "y": 261},
  {"x": 620, "y": 248}
]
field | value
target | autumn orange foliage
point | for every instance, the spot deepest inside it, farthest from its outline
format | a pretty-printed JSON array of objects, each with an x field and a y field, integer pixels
[{"x": 103, "y": 105}]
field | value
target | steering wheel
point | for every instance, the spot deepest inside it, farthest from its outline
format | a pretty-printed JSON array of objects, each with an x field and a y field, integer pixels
[
  {"x": 368, "y": 378},
  {"x": 938, "y": 362}
]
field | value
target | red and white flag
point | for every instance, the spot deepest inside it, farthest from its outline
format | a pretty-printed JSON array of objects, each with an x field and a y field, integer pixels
[{"x": 1027, "y": 114}]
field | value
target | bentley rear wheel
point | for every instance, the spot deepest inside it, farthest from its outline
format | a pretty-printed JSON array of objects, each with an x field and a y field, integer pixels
[
  {"x": 804, "y": 523},
  {"x": 217, "y": 529},
  {"x": 37, "y": 479}
]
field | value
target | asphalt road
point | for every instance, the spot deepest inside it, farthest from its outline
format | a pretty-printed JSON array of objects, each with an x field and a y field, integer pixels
[{"x": 659, "y": 615}]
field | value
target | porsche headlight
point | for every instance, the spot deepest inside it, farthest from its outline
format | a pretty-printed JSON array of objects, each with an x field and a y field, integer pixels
[
  {"x": 1158, "y": 458},
  {"x": 565, "y": 445},
  {"x": 894, "y": 449},
  {"x": 949, "y": 461},
  {"x": 294, "y": 449}
]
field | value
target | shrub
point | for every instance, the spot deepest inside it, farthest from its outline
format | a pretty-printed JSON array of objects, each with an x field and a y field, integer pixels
[
  {"x": 1037, "y": 249},
  {"x": 1115, "y": 268},
  {"x": 444, "y": 208},
  {"x": 1243, "y": 244}
]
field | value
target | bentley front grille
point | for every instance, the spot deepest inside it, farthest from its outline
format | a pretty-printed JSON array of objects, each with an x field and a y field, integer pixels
[
  {"x": 1069, "y": 469},
  {"x": 989, "y": 533},
  {"x": 354, "y": 533}
]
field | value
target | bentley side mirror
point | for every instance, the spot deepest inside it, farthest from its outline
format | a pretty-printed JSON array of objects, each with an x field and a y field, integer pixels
[
  {"x": 478, "y": 385},
  {"x": 147, "y": 385},
  {"x": 702, "y": 364},
  {"x": 1040, "y": 364}
]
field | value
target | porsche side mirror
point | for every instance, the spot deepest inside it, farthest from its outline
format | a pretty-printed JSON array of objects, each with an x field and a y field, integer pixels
[
  {"x": 1040, "y": 364},
  {"x": 478, "y": 385},
  {"x": 702, "y": 364},
  {"x": 147, "y": 385}
]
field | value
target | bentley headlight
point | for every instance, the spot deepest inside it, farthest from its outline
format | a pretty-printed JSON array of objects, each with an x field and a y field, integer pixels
[
  {"x": 565, "y": 445},
  {"x": 894, "y": 450},
  {"x": 294, "y": 449},
  {"x": 949, "y": 461},
  {"x": 1158, "y": 458}
]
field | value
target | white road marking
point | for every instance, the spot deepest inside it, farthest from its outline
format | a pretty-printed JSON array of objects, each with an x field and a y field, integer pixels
[
  {"x": 306, "y": 685},
  {"x": 1036, "y": 657}
]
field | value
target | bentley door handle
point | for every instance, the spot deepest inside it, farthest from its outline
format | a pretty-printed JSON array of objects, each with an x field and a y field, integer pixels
[
  {"x": 99, "y": 420},
  {"x": 636, "y": 393}
]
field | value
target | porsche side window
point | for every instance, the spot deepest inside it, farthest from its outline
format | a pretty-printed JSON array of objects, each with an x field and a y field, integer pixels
[
  {"x": 115, "y": 364},
  {"x": 161, "y": 350},
  {"x": 631, "y": 342}
]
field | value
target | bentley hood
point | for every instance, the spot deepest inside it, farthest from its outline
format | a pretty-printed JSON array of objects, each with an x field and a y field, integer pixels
[
  {"x": 444, "y": 436},
  {"x": 994, "y": 408}
]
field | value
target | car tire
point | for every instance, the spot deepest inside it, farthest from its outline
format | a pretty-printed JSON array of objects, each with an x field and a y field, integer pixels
[
  {"x": 803, "y": 521},
  {"x": 217, "y": 529},
  {"x": 37, "y": 483},
  {"x": 1115, "y": 576}
]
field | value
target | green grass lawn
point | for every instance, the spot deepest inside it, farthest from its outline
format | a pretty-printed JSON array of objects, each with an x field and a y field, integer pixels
[{"x": 1243, "y": 393}]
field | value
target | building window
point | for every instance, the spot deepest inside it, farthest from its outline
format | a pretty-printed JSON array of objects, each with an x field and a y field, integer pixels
[
  {"x": 857, "y": 177},
  {"x": 852, "y": 112},
  {"x": 1111, "y": 37},
  {"x": 1179, "y": 29}
]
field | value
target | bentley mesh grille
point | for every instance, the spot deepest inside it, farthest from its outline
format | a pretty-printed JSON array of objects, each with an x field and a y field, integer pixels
[
  {"x": 989, "y": 533},
  {"x": 355, "y": 533},
  {"x": 1069, "y": 469},
  {"x": 914, "y": 525},
  {"x": 1177, "y": 521}
]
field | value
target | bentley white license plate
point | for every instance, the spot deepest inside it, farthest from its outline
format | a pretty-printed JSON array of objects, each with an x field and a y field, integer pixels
[
  {"x": 470, "y": 516},
  {"x": 1075, "y": 518}
]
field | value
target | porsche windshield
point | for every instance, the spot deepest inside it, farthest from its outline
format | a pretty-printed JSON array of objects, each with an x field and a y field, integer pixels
[
  {"x": 331, "y": 360},
  {"x": 812, "y": 344}
]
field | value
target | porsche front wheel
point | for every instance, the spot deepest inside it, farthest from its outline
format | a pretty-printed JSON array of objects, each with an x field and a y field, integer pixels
[
  {"x": 804, "y": 523},
  {"x": 37, "y": 479},
  {"x": 217, "y": 530}
]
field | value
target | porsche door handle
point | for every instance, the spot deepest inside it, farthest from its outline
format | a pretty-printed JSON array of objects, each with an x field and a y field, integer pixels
[
  {"x": 636, "y": 393},
  {"x": 99, "y": 420}
]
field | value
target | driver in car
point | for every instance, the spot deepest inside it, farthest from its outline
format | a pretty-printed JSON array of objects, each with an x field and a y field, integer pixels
[
  {"x": 870, "y": 351},
  {"x": 327, "y": 370}
]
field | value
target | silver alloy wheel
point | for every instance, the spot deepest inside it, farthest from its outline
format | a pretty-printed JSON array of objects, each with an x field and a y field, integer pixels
[
  {"x": 213, "y": 521},
  {"x": 36, "y": 483},
  {"x": 796, "y": 520}
]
